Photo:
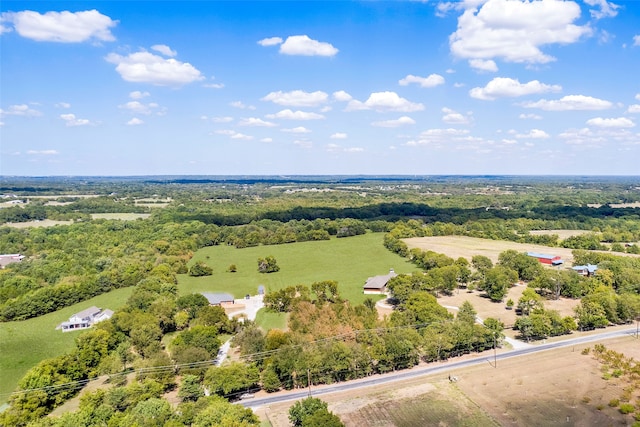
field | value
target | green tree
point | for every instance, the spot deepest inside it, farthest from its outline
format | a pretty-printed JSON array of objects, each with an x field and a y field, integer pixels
[
  {"x": 190, "y": 389},
  {"x": 497, "y": 282},
  {"x": 200, "y": 269},
  {"x": 305, "y": 408},
  {"x": 268, "y": 265}
]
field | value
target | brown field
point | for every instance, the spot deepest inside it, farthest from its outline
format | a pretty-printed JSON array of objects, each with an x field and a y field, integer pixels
[
  {"x": 555, "y": 387},
  {"x": 43, "y": 223},
  {"x": 467, "y": 247},
  {"x": 121, "y": 216},
  {"x": 562, "y": 234}
]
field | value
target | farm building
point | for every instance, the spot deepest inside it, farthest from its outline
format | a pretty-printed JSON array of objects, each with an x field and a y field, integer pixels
[
  {"x": 218, "y": 298},
  {"x": 378, "y": 284},
  {"x": 546, "y": 259},
  {"x": 85, "y": 319},
  {"x": 585, "y": 270},
  {"x": 7, "y": 259}
]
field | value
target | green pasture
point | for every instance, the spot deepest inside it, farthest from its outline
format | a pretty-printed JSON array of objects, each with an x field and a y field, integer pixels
[
  {"x": 268, "y": 320},
  {"x": 25, "y": 343},
  {"x": 349, "y": 261}
]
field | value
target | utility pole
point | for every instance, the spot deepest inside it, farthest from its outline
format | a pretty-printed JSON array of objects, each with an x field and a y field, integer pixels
[
  {"x": 309, "y": 381},
  {"x": 495, "y": 356}
]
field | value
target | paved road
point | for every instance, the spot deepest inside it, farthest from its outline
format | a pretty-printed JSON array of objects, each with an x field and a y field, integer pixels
[{"x": 430, "y": 369}]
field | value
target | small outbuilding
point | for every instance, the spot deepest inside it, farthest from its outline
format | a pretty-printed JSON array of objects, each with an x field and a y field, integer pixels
[
  {"x": 546, "y": 259},
  {"x": 378, "y": 284},
  {"x": 219, "y": 298},
  {"x": 585, "y": 270}
]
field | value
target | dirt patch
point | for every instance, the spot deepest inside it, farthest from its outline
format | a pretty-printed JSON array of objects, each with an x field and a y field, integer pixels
[
  {"x": 562, "y": 234},
  {"x": 42, "y": 223}
]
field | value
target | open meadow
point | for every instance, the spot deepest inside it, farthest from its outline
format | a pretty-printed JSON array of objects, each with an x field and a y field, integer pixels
[
  {"x": 555, "y": 387},
  {"x": 349, "y": 261},
  {"x": 25, "y": 343}
]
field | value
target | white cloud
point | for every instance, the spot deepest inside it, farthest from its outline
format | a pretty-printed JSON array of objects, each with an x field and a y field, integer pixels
[
  {"x": 226, "y": 119},
  {"x": 62, "y": 105},
  {"x": 530, "y": 116},
  {"x": 484, "y": 65},
  {"x": 638, "y": 96},
  {"x": 454, "y": 118},
  {"x": 213, "y": 85},
  {"x": 72, "y": 120},
  {"x": 164, "y": 49},
  {"x": 385, "y": 101},
  {"x": 266, "y": 140},
  {"x": 297, "y": 98},
  {"x": 20, "y": 110},
  {"x": 254, "y": 121},
  {"x": 135, "y": 122},
  {"x": 270, "y": 41},
  {"x": 339, "y": 135},
  {"x": 570, "y": 102},
  {"x": 636, "y": 40},
  {"x": 42, "y": 152},
  {"x": 62, "y": 27},
  {"x": 342, "y": 96},
  {"x": 634, "y": 108},
  {"x": 235, "y": 135},
  {"x": 241, "y": 105},
  {"x": 305, "y": 46},
  {"x": 138, "y": 107},
  {"x": 533, "y": 134},
  {"x": 299, "y": 129},
  {"x": 402, "y": 121},
  {"x": 295, "y": 115},
  {"x": 145, "y": 67},
  {"x": 136, "y": 94},
  {"x": 335, "y": 148},
  {"x": 515, "y": 30},
  {"x": 620, "y": 122},
  {"x": 439, "y": 136},
  {"x": 607, "y": 10},
  {"x": 431, "y": 81},
  {"x": 303, "y": 143},
  {"x": 501, "y": 87}
]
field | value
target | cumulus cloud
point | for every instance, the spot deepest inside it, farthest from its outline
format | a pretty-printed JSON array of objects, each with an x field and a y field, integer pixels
[
  {"x": 62, "y": 105},
  {"x": 270, "y": 41},
  {"x": 295, "y": 115},
  {"x": 633, "y": 109},
  {"x": 570, "y": 102},
  {"x": 484, "y": 65},
  {"x": 225, "y": 119},
  {"x": 636, "y": 40},
  {"x": 515, "y": 30},
  {"x": 135, "y": 122},
  {"x": 164, "y": 49},
  {"x": 138, "y": 107},
  {"x": 61, "y": 27},
  {"x": 385, "y": 101},
  {"x": 213, "y": 85},
  {"x": 454, "y": 118},
  {"x": 297, "y": 98},
  {"x": 241, "y": 105},
  {"x": 342, "y": 96},
  {"x": 431, "y": 81},
  {"x": 305, "y": 46},
  {"x": 254, "y": 121},
  {"x": 303, "y": 143},
  {"x": 20, "y": 110},
  {"x": 235, "y": 135},
  {"x": 402, "y": 121},
  {"x": 299, "y": 129},
  {"x": 530, "y": 116},
  {"x": 335, "y": 148},
  {"x": 136, "y": 94},
  {"x": 620, "y": 122},
  {"x": 606, "y": 9},
  {"x": 439, "y": 136},
  {"x": 146, "y": 67},
  {"x": 502, "y": 87},
  {"x": 533, "y": 134},
  {"x": 266, "y": 140},
  {"x": 42, "y": 152},
  {"x": 72, "y": 120},
  {"x": 339, "y": 135}
]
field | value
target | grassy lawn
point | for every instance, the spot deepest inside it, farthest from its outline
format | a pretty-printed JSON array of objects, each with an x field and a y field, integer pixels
[
  {"x": 349, "y": 261},
  {"x": 24, "y": 344},
  {"x": 267, "y": 320}
]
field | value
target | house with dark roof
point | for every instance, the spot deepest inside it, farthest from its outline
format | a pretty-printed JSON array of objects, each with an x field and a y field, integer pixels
[
  {"x": 378, "y": 284},
  {"x": 85, "y": 319}
]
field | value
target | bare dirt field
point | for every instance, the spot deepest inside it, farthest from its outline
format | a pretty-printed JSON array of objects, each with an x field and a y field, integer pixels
[
  {"x": 467, "y": 247},
  {"x": 562, "y": 234},
  {"x": 43, "y": 223},
  {"x": 555, "y": 387}
]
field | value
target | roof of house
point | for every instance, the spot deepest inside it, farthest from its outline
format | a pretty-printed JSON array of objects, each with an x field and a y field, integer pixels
[
  {"x": 218, "y": 298},
  {"x": 543, "y": 256},
  {"x": 89, "y": 312},
  {"x": 379, "y": 282},
  {"x": 6, "y": 259},
  {"x": 589, "y": 267}
]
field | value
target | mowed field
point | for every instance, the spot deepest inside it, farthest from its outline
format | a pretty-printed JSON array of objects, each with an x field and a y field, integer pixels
[
  {"x": 555, "y": 387},
  {"x": 467, "y": 247},
  {"x": 349, "y": 261},
  {"x": 25, "y": 343}
]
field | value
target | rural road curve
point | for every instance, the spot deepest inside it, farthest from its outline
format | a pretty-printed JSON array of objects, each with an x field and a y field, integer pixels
[{"x": 427, "y": 370}]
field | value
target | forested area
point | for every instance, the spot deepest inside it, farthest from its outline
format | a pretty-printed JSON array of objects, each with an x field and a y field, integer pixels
[{"x": 166, "y": 341}]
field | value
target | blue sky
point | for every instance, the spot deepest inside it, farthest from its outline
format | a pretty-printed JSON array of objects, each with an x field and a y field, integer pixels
[{"x": 335, "y": 87}]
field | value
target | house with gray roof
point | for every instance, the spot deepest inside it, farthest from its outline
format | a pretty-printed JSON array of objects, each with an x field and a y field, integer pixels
[
  {"x": 85, "y": 319},
  {"x": 378, "y": 284}
]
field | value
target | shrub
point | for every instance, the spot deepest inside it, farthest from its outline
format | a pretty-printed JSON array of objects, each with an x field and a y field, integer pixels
[{"x": 627, "y": 408}]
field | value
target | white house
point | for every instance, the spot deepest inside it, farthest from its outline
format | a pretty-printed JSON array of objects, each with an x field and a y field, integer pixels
[{"x": 85, "y": 319}]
